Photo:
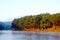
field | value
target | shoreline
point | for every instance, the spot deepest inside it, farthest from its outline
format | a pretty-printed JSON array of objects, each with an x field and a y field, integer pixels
[{"x": 30, "y": 33}]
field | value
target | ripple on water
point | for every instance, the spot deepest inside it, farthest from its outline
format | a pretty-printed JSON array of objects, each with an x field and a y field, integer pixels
[{"x": 19, "y": 35}]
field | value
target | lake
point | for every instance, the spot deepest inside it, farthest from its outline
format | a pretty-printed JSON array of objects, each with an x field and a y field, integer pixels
[{"x": 20, "y": 35}]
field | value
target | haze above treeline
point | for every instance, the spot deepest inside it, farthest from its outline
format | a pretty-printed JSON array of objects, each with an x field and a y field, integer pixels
[{"x": 11, "y": 19}]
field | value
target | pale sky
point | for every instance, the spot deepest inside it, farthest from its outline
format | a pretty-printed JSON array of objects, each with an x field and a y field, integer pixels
[{"x": 10, "y": 9}]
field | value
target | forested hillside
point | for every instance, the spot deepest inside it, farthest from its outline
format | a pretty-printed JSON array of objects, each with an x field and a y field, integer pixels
[
  {"x": 6, "y": 26},
  {"x": 42, "y": 22}
]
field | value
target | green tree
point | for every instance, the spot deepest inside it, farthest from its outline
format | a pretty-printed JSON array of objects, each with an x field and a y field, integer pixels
[
  {"x": 45, "y": 22},
  {"x": 55, "y": 19}
]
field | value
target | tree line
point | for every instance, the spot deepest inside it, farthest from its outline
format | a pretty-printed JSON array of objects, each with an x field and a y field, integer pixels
[{"x": 45, "y": 20}]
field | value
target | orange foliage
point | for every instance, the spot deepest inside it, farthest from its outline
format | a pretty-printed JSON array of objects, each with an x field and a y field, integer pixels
[{"x": 52, "y": 29}]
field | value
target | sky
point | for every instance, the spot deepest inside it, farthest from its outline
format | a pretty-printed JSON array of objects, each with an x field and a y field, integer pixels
[{"x": 11, "y": 9}]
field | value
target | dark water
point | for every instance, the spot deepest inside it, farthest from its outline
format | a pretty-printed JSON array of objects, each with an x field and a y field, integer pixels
[{"x": 17, "y": 35}]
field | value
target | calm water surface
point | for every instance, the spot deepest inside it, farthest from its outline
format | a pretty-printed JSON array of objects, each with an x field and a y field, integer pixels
[{"x": 18, "y": 35}]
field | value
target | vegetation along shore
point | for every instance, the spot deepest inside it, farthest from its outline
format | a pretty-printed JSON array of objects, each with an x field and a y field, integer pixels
[{"x": 45, "y": 22}]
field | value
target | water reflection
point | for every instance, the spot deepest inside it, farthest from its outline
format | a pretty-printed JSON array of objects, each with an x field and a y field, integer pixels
[{"x": 17, "y": 35}]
